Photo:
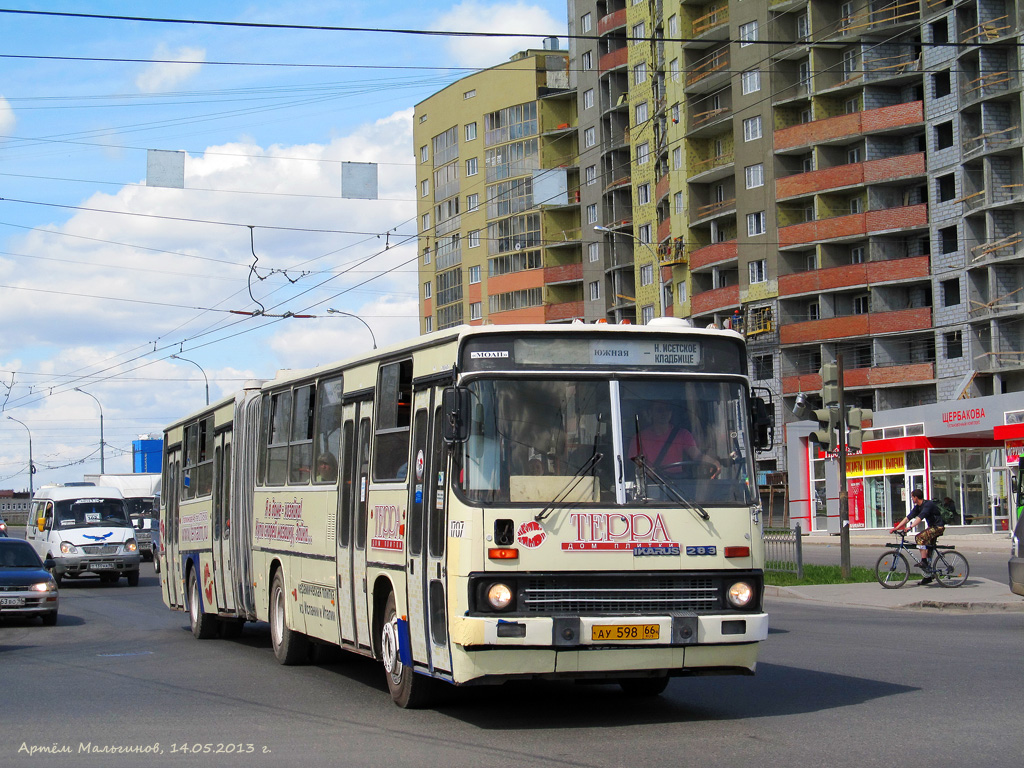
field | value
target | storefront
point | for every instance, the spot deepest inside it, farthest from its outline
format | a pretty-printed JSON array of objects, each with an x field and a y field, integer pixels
[{"x": 960, "y": 454}]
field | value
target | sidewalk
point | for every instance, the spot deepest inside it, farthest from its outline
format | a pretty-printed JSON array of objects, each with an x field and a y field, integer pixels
[{"x": 976, "y": 595}]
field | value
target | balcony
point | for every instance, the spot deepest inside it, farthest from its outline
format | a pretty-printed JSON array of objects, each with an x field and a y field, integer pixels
[
  {"x": 992, "y": 142},
  {"x": 854, "y": 174},
  {"x": 614, "y": 60},
  {"x": 716, "y": 253},
  {"x": 850, "y": 326},
  {"x": 709, "y": 27},
  {"x": 568, "y": 310},
  {"x": 855, "y": 225},
  {"x": 709, "y": 72},
  {"x": 715, "y": 300},
  {"x": 611, "y": 22},
  {"x": 566, "y": 273},
  {"x": 863, "y": 377},
  {"x": 852, "y": 275},
  {"x": 844, "y": 127}
]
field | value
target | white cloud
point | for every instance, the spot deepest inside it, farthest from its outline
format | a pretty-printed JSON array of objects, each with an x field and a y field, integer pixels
[
  {"x": 64, "y": 322},
  {"x": 476, "y": 16},
  {"x": 165, "y": 76},
  {"x": 7, "y": 119}
]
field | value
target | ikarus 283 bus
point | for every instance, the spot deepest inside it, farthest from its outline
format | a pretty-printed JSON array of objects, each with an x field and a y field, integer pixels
[{"x": 484, "y": 504}]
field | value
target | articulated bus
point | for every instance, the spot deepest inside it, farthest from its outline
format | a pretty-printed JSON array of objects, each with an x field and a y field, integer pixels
[{"x": 484, "y": 504}]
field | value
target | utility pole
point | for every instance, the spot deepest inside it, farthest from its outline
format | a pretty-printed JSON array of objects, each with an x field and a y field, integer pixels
[{"x": 844, "y": 497}]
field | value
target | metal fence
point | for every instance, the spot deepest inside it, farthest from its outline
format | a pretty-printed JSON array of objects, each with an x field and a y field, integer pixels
[{"x": 783, "y": 551}]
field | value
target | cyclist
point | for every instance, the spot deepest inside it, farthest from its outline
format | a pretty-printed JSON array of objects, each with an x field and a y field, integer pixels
[{"x": 929, "y": 512}]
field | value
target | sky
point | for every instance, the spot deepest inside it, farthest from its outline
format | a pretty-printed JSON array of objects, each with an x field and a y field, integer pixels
[{"x": 103, "y": 278}]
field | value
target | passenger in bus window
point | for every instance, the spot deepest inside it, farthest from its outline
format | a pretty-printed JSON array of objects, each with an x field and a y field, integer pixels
[
  {"x": 669, "y": 447},
  {"x": 535, "y": 464}
]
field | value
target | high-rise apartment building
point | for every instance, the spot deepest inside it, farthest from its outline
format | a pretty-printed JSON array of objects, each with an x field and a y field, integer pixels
[{"x": 497, "y": 183}]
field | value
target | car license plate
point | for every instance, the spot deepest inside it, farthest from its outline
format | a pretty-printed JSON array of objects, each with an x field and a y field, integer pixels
[
  {"x": 98, "y": 566},
  {"x": 603, "y": 632},
  {"x": 12, "y": 602}
]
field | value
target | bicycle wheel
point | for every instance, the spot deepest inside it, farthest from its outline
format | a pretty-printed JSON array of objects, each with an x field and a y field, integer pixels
[
  {"x": 951, "y": 569},
  {"x": 892, "y": 570}
]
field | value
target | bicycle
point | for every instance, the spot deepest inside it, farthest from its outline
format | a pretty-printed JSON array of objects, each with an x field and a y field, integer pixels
[{"x": 949, "y": 567}]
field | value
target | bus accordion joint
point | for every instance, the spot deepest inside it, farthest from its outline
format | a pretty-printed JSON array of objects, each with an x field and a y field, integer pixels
[
  {"x": 502, "y": 553},
  {"x": 737, "y": 551}
]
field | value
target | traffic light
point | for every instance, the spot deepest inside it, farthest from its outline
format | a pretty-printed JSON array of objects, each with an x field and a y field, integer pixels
[
  {"x": 829, "y": 373},
  {"x": 857, "y": 419},
  {"x": 827, "y": 434}
]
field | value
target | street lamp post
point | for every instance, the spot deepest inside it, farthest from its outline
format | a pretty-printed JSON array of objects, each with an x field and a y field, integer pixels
[
  {"x": 102, "y": 463},
  {"x": 657, "y": 263},
  {"x": 31, "y": 466},
  {"x": 197, "y": 365},
  {"x": 357, "y": 317}
]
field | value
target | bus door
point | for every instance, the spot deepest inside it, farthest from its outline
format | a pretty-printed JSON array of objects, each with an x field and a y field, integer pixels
[
  {"x": 222, "y": 521},
  {"x": 171, "y": 564},
  {"x": 353, "y": 501},
  {"x": 435, "y": 576},
  {"x": 415, "y": 528}
]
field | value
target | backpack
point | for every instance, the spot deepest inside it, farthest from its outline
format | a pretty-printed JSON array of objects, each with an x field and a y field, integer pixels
[{"x": 948, "y": 514}]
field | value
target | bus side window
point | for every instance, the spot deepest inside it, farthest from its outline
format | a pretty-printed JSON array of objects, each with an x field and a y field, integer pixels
[
  {"x": 392, "y": 417},
  {"x": 348, "y": 480},
  {"x": 419, "y": 496},
  {"x": 435, "y": 496},
  {"x": 362, "y": 481}
]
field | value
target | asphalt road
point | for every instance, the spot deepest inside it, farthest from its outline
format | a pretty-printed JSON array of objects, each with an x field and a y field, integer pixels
[{"x": 836, "y": 686}]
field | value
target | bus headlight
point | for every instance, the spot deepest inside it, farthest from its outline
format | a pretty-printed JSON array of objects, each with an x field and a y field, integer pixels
[
  {"x": 67, "y": 548},
  {"x": 740, "y": 594},
  {"x": 499, "y": 596}
]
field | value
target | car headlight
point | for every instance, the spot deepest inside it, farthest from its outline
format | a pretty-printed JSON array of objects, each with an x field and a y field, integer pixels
[
  {"x": 67, "y": 548},
  {"x": 499, "y": 596},
  {"x": 44, "y": 586},
  {"x": 131, "y": 546},
  {"x": 740, "y": 594}
]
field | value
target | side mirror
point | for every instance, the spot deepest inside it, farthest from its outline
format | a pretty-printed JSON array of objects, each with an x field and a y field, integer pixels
[
  {"x": 762, "y": 423},
  {"x": 49, "y": 563},
  {"x": 41, "y": 524},
  {"x": 455, "y": 409}
]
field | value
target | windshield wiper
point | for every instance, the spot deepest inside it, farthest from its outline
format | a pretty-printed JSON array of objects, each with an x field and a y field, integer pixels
[
  {"x": 570, "y": 486},
  {"x": 669, "y": 488}
]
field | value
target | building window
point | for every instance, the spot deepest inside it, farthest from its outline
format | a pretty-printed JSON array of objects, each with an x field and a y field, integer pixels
[
  {"x": 947, "y": 187},
  {"x": 681, "y": 292},
  {"x": 424, "y": 187},
  {"x": 643, "y": 233},
  {"x": 954, "y": 344},
  {"x": 424, "y": 153},
  {"x": 643, "y": 194},
  {"x": 755, "y": 175},
  {"x": 673, "y": 70},
  {"x": 941, "y": 84},
  {"x": 948, "y": 240},
  {"x": 425, "y": 221},
  {"x": 758, "y": 271},
  {"x": 677, "y": 158},
  {"x": 646, "y": 313},
  {"x": 639, "y": 31},
  {"x": 646, "y": 274},
  {"x": 428, "y": 324},
  {"x": 588, "y": 98},
  {"x": 591, "y": 174},
  {"x": 476, "y": 310},
  {"x": 590, "y": 137},
  {"x": 474, "y": 242},
  {"x": 752, "y": 128},
  {"x": 640, "y": 73},
  {"x": 472, "y": 202},
  {"x": 857, "y": 254},
  {"x": 951, "y": 292},
  {"x": 470, "y": 131},
  {"x": 748, "y": 33},
  {"x": 764, "y": 367},
  {"x": 643, "y": 153},
  {"x": 585, "y": 23},
  {"x": 426, "y": 256},
  {"x": 469, "y": 94},
  {"x": 640, "y": 113},
  {"x": 678, "y": 200},
  {"x": 592, "y": 213},
  {"x": 861, "y": 304},
  {"x": 593, "y": 252},
  {"x": 673, "y": 25},
  {"x": 587, "y": 60},
  {"x": 803, "y": 26},
  {"x": 472, "y": 166},
  {"x": 813, "y": 311},
  {"x": 426, "y": 289},
  {"x": 944, "y": 135},
  {"x": 856, "y": 205},
  {"x": 595, "y": 290},
  {"x": 750, "y": 81},
  {"x": 804, "y": 75},
  {"x": 755, "y": 223}
]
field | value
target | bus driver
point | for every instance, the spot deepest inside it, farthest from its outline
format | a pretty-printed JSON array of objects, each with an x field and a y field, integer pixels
[{"x": 666, "y": 445}]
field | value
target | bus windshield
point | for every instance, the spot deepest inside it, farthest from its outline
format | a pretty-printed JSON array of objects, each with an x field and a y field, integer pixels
[
  {"x": 624, "y": 441},
  {"x": 78, "y": 513}
]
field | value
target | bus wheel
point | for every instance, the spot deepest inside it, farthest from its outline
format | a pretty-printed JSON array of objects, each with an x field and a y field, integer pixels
[
  {"x": 644, "y": 686},
  {"x": 408, "y": 690},
  {"x": 204, "y": 625},
  {"x": 290, "y": 647}
]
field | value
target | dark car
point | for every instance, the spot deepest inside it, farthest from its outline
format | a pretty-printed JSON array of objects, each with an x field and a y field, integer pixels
[
  {"x": 3, "y": 527},
  {"x": 26, "y": 586}
]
